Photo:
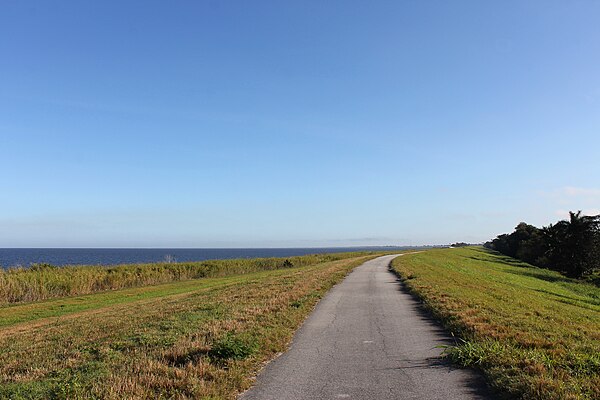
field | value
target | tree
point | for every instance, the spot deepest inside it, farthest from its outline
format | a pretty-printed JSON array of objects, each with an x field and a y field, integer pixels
[
  {"x": 574, "y": 245},
  {"x": 570, "y": 246},
  {"x": 525, "y": 243},
  {"x": 531, "y": 245}
]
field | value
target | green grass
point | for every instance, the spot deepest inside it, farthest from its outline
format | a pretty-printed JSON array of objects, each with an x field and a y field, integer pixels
[
  {"x": 534, "y": 333},
  {"x": 201, "y": 338},
  {"x": 14, "y": 314}
]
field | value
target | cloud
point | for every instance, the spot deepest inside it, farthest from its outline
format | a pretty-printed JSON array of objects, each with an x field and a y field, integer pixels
[
  {"x": 571, "y": 191},
  {"x": 573, "y": 198}
]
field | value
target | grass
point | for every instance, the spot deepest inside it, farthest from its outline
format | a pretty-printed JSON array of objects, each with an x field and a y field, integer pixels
[
  {"x": 534, "y": 333},
  {"x": 42, "y": 281},
  {"x": 202, "y": 338}
]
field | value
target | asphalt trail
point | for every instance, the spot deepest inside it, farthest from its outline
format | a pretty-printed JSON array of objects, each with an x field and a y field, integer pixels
[{"x": 367, "y": 339}]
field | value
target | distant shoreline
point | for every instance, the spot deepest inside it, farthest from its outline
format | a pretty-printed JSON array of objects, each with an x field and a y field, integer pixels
[{"x": 13, "y": 257}]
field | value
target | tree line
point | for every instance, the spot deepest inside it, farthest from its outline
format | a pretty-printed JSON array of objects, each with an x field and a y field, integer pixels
[{"x": 571, "y": 246}]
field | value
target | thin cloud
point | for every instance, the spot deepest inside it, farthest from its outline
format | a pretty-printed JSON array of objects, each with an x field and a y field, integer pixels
[
  {"x": 572, "y": 191},
  {"x": 574, "y": 198}
]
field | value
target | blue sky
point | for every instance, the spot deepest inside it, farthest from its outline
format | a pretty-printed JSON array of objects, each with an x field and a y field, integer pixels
[{"x": 275, "y": 124}]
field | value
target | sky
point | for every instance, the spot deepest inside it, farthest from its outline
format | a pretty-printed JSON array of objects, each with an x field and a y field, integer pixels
[{"x": 294, "y": 124}]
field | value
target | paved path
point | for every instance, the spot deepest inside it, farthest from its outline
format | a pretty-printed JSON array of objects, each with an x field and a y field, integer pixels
[{"x": 366, "y": 339}]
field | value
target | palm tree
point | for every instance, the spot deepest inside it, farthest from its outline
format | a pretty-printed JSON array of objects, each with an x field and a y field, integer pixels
[{"x": 573, "y": 244}]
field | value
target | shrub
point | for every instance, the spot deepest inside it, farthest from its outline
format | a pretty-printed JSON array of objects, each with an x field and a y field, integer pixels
[{"x": 233, "y": 347}]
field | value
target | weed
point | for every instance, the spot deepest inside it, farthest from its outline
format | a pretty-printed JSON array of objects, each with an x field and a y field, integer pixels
[{"x": 233, "y": 347}]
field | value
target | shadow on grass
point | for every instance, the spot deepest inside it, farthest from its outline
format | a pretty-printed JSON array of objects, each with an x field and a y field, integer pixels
[
  {"x": 539, "y": 273},
  {"x": 525, "y": 269},
  {"x": 575, "y": 301},
  {"x": 501, "y": 259},
  {"x": 192, "y": 356}
]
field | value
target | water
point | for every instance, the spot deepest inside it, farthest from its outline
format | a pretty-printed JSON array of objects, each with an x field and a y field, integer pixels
[{"x": 60, "y": 257}]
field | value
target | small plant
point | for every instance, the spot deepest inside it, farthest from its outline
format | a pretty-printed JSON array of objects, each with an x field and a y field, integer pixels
[
  {"x": 287, "y": 264},
  {"x": 67, "y": 385},
  {"x": 42, "y": 267},
  {"x": 170, "y": 259},
  {"x": 233, "y": 347},
  {"x": 296, "y": 304},
  {"x": 467, "y": 353}
]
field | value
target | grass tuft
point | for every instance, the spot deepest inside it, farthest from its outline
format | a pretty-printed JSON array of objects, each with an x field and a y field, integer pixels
[{"x": 233, "y": 347}]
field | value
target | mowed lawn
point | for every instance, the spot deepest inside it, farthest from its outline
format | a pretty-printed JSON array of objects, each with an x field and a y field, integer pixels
[
  {"x": 202, "y": 338},
  {"x": 533, "y": 332}
]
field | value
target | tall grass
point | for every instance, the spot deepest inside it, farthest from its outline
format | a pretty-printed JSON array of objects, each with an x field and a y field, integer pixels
[{"x": 42, "y": 281}]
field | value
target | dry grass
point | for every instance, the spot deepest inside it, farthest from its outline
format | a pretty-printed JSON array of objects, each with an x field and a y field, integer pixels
[
  {"x": 205, "y": 340},
  {"x": 534, "y": 333}
]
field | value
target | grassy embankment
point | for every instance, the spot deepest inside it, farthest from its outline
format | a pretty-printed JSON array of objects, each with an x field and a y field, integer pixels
[
  {"x": 533, "y": 332},
  {"x": 201, "y": 338}
]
